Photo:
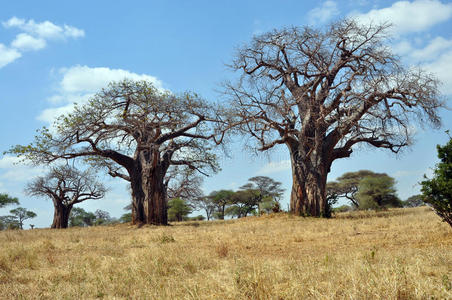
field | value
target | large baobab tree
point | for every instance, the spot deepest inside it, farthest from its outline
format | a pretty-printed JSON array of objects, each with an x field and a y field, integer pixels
[
  {"x": 66, "y": 186},
  {"x": 320, "y": 93},
  {"x": 136, "y": 132}
]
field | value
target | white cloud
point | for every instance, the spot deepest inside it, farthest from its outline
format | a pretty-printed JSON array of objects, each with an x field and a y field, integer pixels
[
  {"x": 26, "y": 42},
  {"x": 12, "y": 170},
  {"x": 408, "y": 17},
  {"x": 34, "y": 37},
  {"x": 45, "y": 30},
  {"x": 435, "y": 57},
  {"x": 50, "y": 114},
  {"x": 402, "y": 173},
  {"x": 79, "y": 83},
  {"x": 430, "y": 52},
  {"x": 441, "y": 68},
  {"x": 86, "y": 79},
  {"x": 8, "y": 55},
  {"x": 324, "y": 13},
  {"x": 275, "y": 167}
]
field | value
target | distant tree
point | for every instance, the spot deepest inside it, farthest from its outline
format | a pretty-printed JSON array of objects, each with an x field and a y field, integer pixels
[
  {"x": 221, "y": 199},
  {"x": 7, "y": 200},
  {"x": 204, "y": 203},
  {"x": 178, "y": 210},
  {"x": 102, "y": 217},
  {"x": 81, "y": 218},
  {"x": 346, "y": 186},
  {"x": 198, "y": 218},
  {"x": 8, "y": 222},
  {"x": 243, "y": 202},
  {"x": 267, "y": 189},
  {"x": 21, "y": 214},
  {"x": 126, "y": 218},
  {"x": 136, "y": 132},
  {"x": 377, "y": 192},
  {"x": 342, "y": 208},
  {"x": 323, "y": 92},
  {"x": 437, "y": 191},
  {"x": 269, "y": 205},
  {"x": 66, "y": 186},
  {"x": 413, "y": 201}
]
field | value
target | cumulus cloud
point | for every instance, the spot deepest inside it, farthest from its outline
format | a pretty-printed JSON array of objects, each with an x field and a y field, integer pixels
[
  {"x": 275, "y": 167},
  {"x": 86, "y": 79},
  {"x": 45, "y": 30},
  {"x": 12, "y": 170},
  {"x": 441, "y": 68},
  {"x": 8, "y": 55},
  {"x": 323, "y": 13},
  {"x": 435, "y": 57},
  {"x": 79, "y": 83},
  {"x": 408, "y": 17},
  {"x": 432, "y": 50},
  {"x": 34, "y": 36},
  {"x": 25, "y": 42}
]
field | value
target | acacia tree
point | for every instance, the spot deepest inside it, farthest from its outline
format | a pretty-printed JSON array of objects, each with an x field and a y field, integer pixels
[
  {"x": 244, "y": 202},
  {"x": 221, "y": 199},
  {"x": 377, "y": 191},
  {"x": 21, "y": 214},
  {"x": 5, "y": 200},
  {"x": 204, "y": 203},
  {"x": 347, "y": 185},
  {"x": 267, "y": 189},
  {"x": 136, "y": 132},
  {"x": 66, "y": 186},
  {"x": 320, "y": 93}
]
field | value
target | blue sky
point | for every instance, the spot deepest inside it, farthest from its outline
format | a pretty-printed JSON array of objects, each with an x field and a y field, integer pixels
[{"x": 54, "y": 53}]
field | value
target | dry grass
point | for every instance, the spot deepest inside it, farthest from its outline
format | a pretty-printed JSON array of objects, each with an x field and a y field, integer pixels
[{"x": 399, "y": 254}]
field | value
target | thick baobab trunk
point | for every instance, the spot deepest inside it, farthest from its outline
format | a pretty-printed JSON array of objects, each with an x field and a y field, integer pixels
[
  {"x": 61, "y": 215},
  {"x": 308, "y": 195},
  {"x": 149, "y": 197},
  {"x": 155, "y": 208}
]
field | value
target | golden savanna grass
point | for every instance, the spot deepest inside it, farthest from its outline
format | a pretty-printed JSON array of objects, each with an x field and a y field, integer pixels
[{"x": 398, "y": 254}]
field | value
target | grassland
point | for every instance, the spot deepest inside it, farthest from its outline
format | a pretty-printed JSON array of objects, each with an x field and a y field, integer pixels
[{"x": 399, "y": 254}]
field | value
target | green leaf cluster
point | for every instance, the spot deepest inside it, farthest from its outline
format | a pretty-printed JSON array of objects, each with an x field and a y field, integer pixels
[{"x": 438, "y": 191}]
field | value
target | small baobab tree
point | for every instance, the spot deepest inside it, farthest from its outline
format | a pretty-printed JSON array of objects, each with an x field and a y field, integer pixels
[
  {"x": 322, "y": 92},
  {"x": 66, "y": 186}
]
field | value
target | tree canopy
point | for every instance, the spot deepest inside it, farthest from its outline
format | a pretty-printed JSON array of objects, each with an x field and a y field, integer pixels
[
  {"x": 136, "y": 132},
  {"x": 5, "y": 200},
  {"x": 320, "y": 93},
  {"x": 178, "y": 209},
  {"x": 66, "y": 186},
  {"x": 377, "y": 191},
  {"x": 21, "y": 214}
]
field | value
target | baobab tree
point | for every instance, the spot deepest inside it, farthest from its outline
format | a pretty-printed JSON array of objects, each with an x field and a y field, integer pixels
[
  {"x": 136, "y": 132},
  {"x": 66, "y": 186},
  {"x": 322, "y": 92}
]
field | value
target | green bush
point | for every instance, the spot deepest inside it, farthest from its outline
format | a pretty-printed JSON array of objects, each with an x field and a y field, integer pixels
[{"x": 437, "y": 191}]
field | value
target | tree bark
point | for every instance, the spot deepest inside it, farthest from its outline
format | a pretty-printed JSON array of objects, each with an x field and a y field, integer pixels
[
  {"x": 308, "y": 195},
  {"x": 61, "y": 215},
  {"x": 149, "y": 196}
]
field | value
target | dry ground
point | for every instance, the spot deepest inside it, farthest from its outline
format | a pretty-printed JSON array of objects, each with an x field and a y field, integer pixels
[{"x": 399, "y": 254}]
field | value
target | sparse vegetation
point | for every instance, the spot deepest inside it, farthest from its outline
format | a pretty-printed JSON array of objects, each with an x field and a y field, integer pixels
[
  {"x": 438, "y": 191},
  {"x": 394, "y": 254}
]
